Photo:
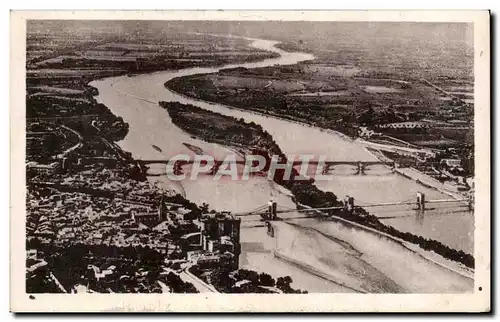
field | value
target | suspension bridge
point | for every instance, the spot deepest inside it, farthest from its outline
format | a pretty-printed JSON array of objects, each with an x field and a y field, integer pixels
[{"x": 271, "y": 210}]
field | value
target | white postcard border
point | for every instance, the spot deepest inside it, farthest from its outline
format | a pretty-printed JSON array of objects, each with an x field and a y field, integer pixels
[{"x": 474, "y": 302}]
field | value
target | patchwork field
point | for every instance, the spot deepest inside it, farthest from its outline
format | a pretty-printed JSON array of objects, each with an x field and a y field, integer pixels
[
  {"x": 62, "y": 58},
  {"x": 345, "y": 98}
]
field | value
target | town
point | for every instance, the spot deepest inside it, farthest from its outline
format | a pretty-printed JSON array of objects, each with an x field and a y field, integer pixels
[{"x": 94, "y": 221}]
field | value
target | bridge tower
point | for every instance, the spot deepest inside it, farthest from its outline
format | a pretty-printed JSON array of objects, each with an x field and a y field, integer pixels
[
  {"x": 348, "y": 203},
  {"x": 273, "y": 209},
  {"x": 420, "y": 201},
  {"x": 470, "y": 201},
  {"x": 66, "y": 164}
]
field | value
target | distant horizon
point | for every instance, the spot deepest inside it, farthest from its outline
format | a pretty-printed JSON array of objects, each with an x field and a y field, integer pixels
[
  {"x": 460, "y": 30},
  {"x": 428, "y": 47}
]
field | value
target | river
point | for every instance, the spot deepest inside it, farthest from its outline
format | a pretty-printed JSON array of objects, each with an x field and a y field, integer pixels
[{"x": 136, "y": 99}]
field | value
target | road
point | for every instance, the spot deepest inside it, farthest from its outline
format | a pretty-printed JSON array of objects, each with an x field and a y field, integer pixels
[
  {"x": 393, "y": 148},
  {"x": 201, "y": 286},
  {"x": 73, "y": 148}
]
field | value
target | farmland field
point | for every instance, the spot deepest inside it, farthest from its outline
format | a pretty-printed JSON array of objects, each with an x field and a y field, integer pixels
[{"x": 373, "y": 80}]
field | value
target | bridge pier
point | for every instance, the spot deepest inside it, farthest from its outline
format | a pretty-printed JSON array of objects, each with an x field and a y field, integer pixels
[
  {"x": 470, "y": 202},
  {"x": 66, "y": 164},
  {"x": 361, "y": 168},
  {"x": 273, "y": 209},
  {"x": 270, "y": 229}
]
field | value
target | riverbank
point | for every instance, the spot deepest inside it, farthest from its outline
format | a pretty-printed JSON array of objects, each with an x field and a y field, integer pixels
[
  {"x": 311, "y": 269},
  {"x": 429, "y": 182},
  {"x": 429, "y": 255},
  {"x": 265, "y": 113},
  {"x": 417, "y": 176},
  {"x": 208, "y": 126},
  {"x": 146, "y": 117},
  {"x": 356, "y": 269},
  {"x": 411, "y": 272},
  {"x": 296, "y": 139}
]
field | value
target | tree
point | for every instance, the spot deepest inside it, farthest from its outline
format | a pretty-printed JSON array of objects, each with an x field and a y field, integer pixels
[
  {"x": 189, "y": 288},
  {"x": 266, "y": 279},
  {"x": 283, "y": 283},
  {"x": 221, "y": 280},
  {"x": 245, "y": 274},
  {"x": 204, "y": 208},
  {"x": 367, "y": 117}
]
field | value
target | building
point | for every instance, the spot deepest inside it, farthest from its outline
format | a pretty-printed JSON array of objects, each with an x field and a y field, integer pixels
[
  {"x": 32, "y": 254},
  {"x": 43, "y": 168},
  {"x": 34, "y": 264},
  {"x": 404, "y": 125},
  {"x": 147, "y": 218},
  {"x": 221, "y": 234},
  {"x": 452, "y": 162},
  {"x": 210, "y": 260},
  {"x": 150, "y": 217},
  {"x": 204, "y": 260}
]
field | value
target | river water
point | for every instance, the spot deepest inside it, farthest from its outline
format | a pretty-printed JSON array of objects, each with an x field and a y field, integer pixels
[{"x": 322, "y": 243}]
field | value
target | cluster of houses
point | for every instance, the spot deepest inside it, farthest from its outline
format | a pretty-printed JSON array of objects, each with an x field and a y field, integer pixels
[{"x": 217, "y": 244}]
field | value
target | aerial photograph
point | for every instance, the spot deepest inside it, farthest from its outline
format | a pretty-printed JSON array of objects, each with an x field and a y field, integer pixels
[{"x": 170, "y": 156}]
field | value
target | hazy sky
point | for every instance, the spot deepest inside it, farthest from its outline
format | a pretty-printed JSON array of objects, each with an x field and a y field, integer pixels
[{"x": 275, "y": 29}]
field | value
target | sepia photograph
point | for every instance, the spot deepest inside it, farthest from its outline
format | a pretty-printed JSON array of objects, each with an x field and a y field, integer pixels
[{"x": 260, "y": 158}]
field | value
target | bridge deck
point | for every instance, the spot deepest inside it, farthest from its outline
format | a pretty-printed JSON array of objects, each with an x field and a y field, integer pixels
[{"x": 295, "y": 163}]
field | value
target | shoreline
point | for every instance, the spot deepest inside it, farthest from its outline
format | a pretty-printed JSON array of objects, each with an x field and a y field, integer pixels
[
  {"x": 401, "y": 242},
  {"x": 256, "y": 112},
  {"x": 300, "y": 192},
  {"x": 437, "y": 186},
  {"x": 311, "y": 270},
  {"x": 341, "y": 135},
  {"x": 457, "y": 196},
  {"x": 334, "y": 132}
]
